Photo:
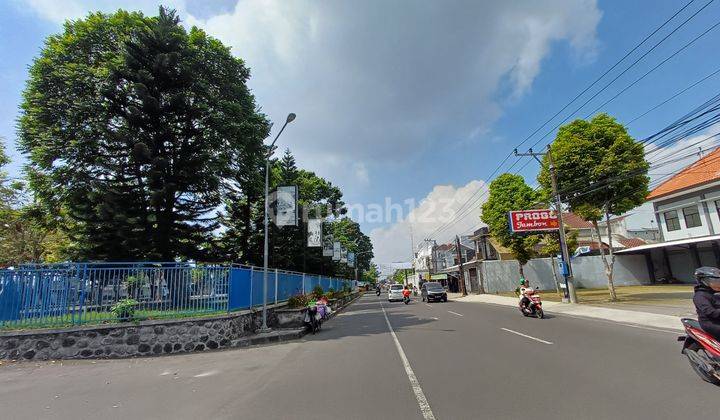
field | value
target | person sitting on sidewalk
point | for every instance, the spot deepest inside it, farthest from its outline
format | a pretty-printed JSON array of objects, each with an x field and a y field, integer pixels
[{"x": 707, "y": 303}]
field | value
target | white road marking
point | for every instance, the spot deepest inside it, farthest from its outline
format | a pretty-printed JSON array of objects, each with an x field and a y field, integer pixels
[
  {"x": 455, "y": 313},
  {"x": 526, "y": 336},
  {"x": 414, "y": 383},
  {"x": 428, "y": 305},
  {"x": 204, "y": 374},
  {"x": 435, "y": 318}
]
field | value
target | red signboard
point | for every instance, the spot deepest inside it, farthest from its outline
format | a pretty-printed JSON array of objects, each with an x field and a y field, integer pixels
[{"x": 533, "y": 220}]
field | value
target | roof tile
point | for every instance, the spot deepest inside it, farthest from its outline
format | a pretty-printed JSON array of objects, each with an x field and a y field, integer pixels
[{"x": 705, "y": 170}]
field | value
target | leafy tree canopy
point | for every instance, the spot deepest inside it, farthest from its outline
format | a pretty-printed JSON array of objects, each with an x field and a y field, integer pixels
[
  {"x": 599, "y": 167},
  {"x": 510, "y": 192},
  {"x": 131, "y": 124}
]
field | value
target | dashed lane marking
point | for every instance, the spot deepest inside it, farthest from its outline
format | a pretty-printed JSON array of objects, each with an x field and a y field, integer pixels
[{"x": 414, "y": 383}]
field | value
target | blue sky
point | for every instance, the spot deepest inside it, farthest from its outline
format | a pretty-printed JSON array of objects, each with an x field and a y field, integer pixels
[{"x": 414, "y": 100}]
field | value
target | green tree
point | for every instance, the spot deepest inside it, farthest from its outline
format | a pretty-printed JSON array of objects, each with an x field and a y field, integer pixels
[
  {"x": 401, "y": 274},
  {"x": 25, "y": 234},
  {"x": 371, "y": 275},
  {"x": 131, "y": 124},
  {"x": 601, "y": 171},
  {"x": 510, "y": 192},
  {"x": 348, "y": 233}
]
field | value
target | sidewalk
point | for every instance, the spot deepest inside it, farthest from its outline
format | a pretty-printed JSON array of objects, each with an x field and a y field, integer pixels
[{"x": 637, "y": 318}]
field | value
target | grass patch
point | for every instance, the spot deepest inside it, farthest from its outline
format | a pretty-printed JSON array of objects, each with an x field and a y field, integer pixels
[{"x": 103, "y": 318}]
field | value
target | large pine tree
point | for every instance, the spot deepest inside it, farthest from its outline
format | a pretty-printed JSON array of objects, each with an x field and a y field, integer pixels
[{"x": 132, "y": 124}]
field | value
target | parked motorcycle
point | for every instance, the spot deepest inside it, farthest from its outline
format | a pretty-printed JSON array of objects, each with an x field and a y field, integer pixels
[
  {"x": 534, "y": 307},
  {"x": 702, "y": 351}
]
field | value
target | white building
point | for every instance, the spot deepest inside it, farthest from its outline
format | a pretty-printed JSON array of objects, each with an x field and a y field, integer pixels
[{"x": 687, "y": 211}]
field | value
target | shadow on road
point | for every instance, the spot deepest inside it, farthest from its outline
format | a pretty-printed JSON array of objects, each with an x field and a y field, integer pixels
[{"x": 365, "y": 318}]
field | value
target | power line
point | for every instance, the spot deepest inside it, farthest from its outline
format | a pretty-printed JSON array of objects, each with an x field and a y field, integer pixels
[
  {"x": 623, "y": 72},
  {"x": 504, "y": 160},
  {"x": 673, "y": 96}
]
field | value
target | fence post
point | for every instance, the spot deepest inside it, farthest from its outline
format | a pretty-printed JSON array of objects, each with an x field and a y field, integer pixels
[
  {"x": 276, "y": 285},
  {"x": 82, "y": 293},
  {"x": 251, "y": 289},
  {"x": 303, "y": 284}
]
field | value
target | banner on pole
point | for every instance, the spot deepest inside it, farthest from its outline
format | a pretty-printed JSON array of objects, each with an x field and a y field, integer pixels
[
  {"x": 351, "y": 259},
  {"x": 314, "y": 233},
  {"x": 286, "y": 207},
  {"x": 328, "y": 246},
  {"x": 336, "y": 251},
  {"x": 343, "y": 255},
  {"x": 533, "y": 220}
]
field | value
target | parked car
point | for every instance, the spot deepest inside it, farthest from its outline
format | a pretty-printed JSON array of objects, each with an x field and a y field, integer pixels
[
  {"x": 433, "y": 291},
  {"x": 395, "y": 292}
]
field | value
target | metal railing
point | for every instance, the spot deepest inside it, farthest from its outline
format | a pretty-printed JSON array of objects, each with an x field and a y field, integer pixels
[{"x": 58, "y": 295}]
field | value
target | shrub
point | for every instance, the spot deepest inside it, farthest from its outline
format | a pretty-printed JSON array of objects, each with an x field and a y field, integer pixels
[
  {"x": 298, "y": 301},
  {"x": 124, "y": 310},
  {"x": 317, "y": 292}
]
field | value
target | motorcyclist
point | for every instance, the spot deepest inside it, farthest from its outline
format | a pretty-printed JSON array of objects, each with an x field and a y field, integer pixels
[
  {"x": 707, "y": 303},
  {"x": 406, "y": 292},
  {"x": 524, "y": 290},
  {"x": 377, "y": 289}
]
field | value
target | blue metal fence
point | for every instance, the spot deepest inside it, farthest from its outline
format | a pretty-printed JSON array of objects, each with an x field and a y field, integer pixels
[{"x": 79, "y": 293}]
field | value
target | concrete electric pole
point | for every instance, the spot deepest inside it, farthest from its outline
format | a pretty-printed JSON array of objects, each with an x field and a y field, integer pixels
[{"x": 567, "y": 272}]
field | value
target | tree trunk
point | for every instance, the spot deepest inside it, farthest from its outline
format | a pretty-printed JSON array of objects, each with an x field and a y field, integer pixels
[
  {"x": 606, "y": 263},
  {"x": 555, "y": 276},
  {"x": 610, "y": 267}
]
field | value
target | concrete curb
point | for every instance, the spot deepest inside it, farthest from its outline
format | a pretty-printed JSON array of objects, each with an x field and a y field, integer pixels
[{"x": 621, "y": 316}]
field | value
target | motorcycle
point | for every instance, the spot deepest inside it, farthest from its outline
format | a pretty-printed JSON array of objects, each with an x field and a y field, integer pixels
[
  {"x": 534, "y": 307},
  {"x": 312, "y": 319},
  {"x": 377, "y": 292},
  {"x": 702, "y": 351},
  {"x": 406, "y": 299}
]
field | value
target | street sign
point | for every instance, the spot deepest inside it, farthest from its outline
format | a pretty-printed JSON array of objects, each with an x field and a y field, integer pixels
[
  {"x": 336, "y": 251},
  {"x": 541, "y": 220},
  {"x": 314, "y": 233},
  {"x": 562, "y": 268},
  {"x": 327, "y": 246},
  {"x": 286, "y": 206}
]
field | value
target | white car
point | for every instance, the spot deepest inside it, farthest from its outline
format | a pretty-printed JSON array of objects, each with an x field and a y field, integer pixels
[{"x": 395, "y": 292}]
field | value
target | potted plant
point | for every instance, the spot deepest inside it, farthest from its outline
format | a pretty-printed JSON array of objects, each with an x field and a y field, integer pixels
[{"x": 124, "y": 310}]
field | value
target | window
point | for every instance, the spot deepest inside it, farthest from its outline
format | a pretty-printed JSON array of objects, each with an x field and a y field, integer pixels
[
  {"x": 671, "y": 220},
  {"x": 692, "y": 216}
]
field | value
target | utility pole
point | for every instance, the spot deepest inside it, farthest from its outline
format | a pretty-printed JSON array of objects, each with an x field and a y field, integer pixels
[
  {"x": 460, "y": 266},
  {"x": 264, "y": 327},
  {"x": 567, "y": 273}
]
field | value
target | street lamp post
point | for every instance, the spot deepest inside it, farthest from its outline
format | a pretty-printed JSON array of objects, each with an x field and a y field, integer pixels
[{"x": 264, "y": 327}]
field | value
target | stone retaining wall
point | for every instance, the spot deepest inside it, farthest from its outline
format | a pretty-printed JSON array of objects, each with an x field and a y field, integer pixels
[{"x": 144, "y": 338}]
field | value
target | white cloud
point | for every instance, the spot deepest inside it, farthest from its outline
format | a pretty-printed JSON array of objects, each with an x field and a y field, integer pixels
[
  {"x": 381, "y": 81},
  {"x": 378, "y": 83},
  {"x": 443, "y": 205}
]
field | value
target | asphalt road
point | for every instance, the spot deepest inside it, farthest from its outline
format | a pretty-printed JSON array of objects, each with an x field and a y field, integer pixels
[{"x": 465, "y": 360}]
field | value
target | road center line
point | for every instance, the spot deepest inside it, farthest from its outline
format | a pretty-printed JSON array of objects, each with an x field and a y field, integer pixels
[
  {"x": 414, "y": 383},
  {"x": 526, "y": 336},
  {"x": 455, "y": 313}
]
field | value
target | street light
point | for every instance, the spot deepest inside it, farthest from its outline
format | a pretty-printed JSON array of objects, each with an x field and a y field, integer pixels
[{"x": 264, "y": 327}]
